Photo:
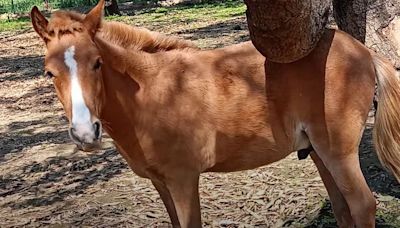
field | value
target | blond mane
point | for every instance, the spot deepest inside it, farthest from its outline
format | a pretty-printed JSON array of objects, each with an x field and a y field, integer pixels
[{"x": 129, "y": 37}]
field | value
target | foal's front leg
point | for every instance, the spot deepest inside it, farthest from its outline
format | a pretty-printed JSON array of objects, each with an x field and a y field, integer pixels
[
  {"x": 168, "y": 202},
  {"x": 184, "y": 190}
]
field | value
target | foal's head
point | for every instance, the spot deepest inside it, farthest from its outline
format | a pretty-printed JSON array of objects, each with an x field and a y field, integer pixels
[{"x": 74, "y": 63}]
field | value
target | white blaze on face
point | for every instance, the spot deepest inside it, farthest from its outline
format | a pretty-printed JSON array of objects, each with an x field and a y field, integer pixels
[{"x": 81, "y": 120}]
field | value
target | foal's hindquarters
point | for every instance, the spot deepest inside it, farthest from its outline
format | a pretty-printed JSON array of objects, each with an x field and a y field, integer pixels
[{"x": 329, "y": 94}]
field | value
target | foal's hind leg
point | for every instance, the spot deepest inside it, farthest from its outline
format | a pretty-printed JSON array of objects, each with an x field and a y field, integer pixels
[
  {"x": 339, "y": 204},
  {"x": 339, "y": 153},
  {"x": 350, "y": 181}
]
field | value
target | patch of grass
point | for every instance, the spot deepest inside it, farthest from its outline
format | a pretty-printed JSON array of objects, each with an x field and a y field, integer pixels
[
  {"x": 208, "y": 11},
  {"x": 14, "y": 24},
  {"x": 201, "y": 12}
]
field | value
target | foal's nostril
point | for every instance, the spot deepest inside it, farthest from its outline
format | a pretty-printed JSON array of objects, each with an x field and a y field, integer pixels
[
  {"x": 97, "y": 129},
  {"x": 71, "y": 132},
  {"x": 86, "y": 134}
]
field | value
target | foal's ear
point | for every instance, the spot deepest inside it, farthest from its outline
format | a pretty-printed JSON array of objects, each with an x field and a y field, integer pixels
[
  {"x": 39, "y": 23},
  {"x": 93, "y": 19},
  {"x": 112, "y": 54}
]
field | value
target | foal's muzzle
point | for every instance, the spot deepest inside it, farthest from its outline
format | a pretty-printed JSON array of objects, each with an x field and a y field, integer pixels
[{"x": 87, "y": 137}]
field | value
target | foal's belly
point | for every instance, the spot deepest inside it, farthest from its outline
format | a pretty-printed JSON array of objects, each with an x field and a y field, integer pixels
[
  {"x": 243, "y": 153},
  {"x": 243, "y": 163}
]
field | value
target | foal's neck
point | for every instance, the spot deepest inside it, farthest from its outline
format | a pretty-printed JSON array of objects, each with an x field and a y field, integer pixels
[
  {"x": 118, "y": 115},
  {"x": 119, "y": 102}
]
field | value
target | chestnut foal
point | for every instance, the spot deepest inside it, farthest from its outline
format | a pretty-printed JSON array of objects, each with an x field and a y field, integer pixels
[{"x": 179, "y": 111}]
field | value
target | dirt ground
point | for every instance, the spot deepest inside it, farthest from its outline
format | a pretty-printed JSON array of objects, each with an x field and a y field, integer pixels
[{"x": 45, "y": 182}]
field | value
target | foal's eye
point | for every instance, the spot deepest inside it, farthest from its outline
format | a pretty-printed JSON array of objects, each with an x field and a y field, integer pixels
[
  {"x": 48, "y": 74},
  {"x": 97, "y": 65}
]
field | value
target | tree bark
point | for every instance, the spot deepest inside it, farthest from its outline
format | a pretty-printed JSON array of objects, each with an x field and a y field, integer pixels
[
  {"x": 351, "y": 16},
  {"x": 112, "y": 8},
  {"x": 383, "y": 28},
  {"x": 286, "y": 30},
  {"x": 375, "y": 22}
]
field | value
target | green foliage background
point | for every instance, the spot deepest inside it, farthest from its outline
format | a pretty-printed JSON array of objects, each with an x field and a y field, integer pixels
[{"x": 22, "y": 6}]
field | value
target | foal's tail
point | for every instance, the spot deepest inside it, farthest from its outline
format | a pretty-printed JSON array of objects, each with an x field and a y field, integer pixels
[{"x": 387, "y": 119}]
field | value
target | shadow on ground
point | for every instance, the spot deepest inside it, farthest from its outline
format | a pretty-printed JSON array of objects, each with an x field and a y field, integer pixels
[
  {"x": 218, "y": 30},
  {"x": 326, "y": 219},
  {"x": 377, "y": 177},
  {"x": 23, "y": 134},
  {"x": 41, "y": 97},
  {"x": 51, "y": 181},
  {"x": 20, "y": 68},
  {"x": 20, "y": 136}
]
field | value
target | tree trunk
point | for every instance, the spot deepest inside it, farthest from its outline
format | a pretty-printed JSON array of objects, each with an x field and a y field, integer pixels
[
  {"x": 112, "y": 8},
  {"x": 383, "y": 28},
  {"x": 286, "y": 30},
  {"x": 375, "y": 22},
  {"x": 350, "y": 16}
]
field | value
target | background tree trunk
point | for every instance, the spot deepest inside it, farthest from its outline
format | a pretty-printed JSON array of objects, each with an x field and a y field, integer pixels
[
  {"x": 112, "y": 8},
  {"x": 286, "y": 30},
  {"x": 383, "y": 28},
  {"x": 375, "y": 22},
  {"x": 350, "y": 16}
]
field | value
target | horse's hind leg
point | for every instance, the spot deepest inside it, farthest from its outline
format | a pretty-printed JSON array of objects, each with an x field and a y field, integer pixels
[
  {"x": 350, "y": 181},
  {"x": 339, "y": 204},
  {"x": 339, "y": 153}
]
